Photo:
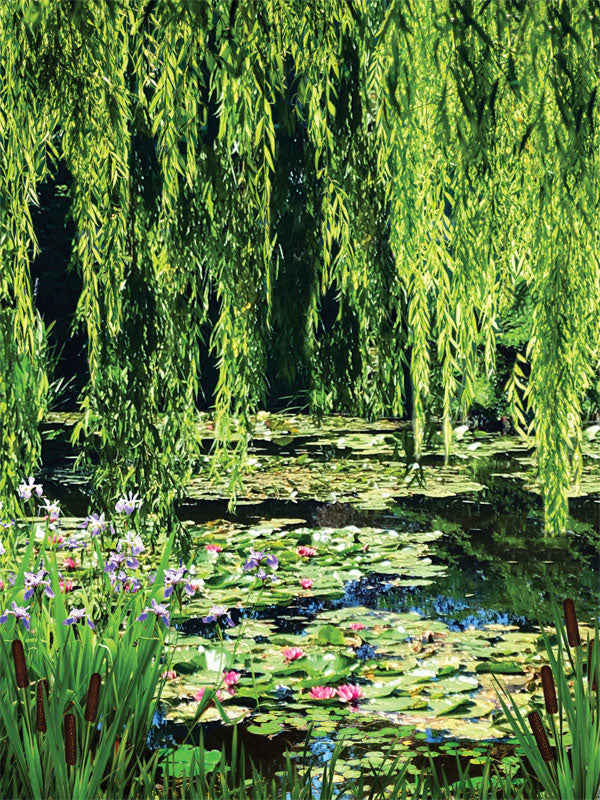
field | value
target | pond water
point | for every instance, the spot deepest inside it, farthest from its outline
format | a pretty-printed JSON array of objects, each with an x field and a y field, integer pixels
[{"x": 427, "y": 584}]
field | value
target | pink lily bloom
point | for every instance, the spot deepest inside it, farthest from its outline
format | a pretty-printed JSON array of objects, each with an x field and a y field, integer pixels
[
  {"x": 213, "y": 548},
  {"x": 169, "y": 675},
  {"x": 292, "y": 653},
  {"x": 229, "y": 680},
  {"x": 65, "y": 585},
  {"x": 349, "y": 693},
  {"x": 322, "y": 693},
  {"x": 306, "y": 583},
  {"x": 357, "y": 626},
  {"x": 70, "y": 563},
  {"x": 306, "y": 551},
  {"x": 57, "y": 539}
]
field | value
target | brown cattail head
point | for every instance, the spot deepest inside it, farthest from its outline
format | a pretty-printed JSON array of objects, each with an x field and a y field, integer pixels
[
  {"x": 592, "y": 677},
  {"x": 540, "y": 735},
  {"x": 70, "y": 740},
  {"x": 91, "y": 705},
  {"x": 549, "y": 690},
  {"x": 20, "y": 665},
  {"x": 571, "y": 623},
  {"x": 40, "y": 715}
]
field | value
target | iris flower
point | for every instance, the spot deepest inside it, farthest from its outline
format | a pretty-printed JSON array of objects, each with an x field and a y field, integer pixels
[
  {"x": 175, "y": 577},
  {"x": 218, "y": 612},
  {"x": 161, "y": 613},
  {"x": 128, "y": 504},
  {"x": 26, "y": 490},
  {"x": 20, "y": 614},
  {"x": 95, "y": 524},
  {"x": 35, "y": 580},
  {"x": 78, "y": 616}
]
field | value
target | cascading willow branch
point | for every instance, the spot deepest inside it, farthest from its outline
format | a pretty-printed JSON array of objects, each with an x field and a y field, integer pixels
[{"x": 350, "y": 189}]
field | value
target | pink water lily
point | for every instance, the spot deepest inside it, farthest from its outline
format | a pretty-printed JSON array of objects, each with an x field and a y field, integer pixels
[
  {"x": 306, "y": 583},
  {"x": 349, "y": 692},
  {"x": 322, "y": 693},
  {"x": 169, "y": 675},
  {"x": 292, "y": 653},
  {"x": 65, "y": 585},
  {"x": 357, "y": 626},
  {"x": 70, "y": 563},
  {"x": 213, "y": 548},
  {"x": 200, "y": 694},
  {"x": 229, "y": 680},
  {"x": 306, "y": 551}
]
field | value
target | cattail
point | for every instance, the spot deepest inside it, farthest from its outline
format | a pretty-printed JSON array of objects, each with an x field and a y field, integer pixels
[
  {"x": 40, "y": 715},
  {"x": 70, "y": 740},
  {"x": 20, "y": 665},
  {"x": 591, "y": 677},
  {"x": 91, "y": 705},
  {"x": 549, "y": 690},
  {"x": 540, "y": 735},
  {"x": 571, "y": 623}
]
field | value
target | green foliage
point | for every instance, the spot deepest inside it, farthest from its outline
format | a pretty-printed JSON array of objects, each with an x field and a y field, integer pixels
[{"x": 363, "y": 187}]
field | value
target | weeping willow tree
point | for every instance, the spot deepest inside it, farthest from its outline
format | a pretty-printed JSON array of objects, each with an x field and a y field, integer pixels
[{"x": 357, "y": 187}]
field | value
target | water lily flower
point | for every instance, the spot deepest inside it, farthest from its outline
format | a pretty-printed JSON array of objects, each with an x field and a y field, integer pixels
[
  {"x": 230, "y": 679},
  {"x": 36, "y": 580},
  {"x": 349, "y": 692},
  {"x": 70, "y": 563},
  {"x": 78, "y": 616},
  {"x": 65, "y": 585},
  {"x": 174, "y": 577},
  {"x": 26, "y": 490},
  {"x": 197, "y": 585},
  {"x": 322, "y": 693},
  {"x": 306, "y": 583},
  {"x": 57, "y": 539},
  {"x": 292, "y": 653},
  {"x": 305, "y": 551},
  {"x": 95, "y": 524},
  {"x": 128, "y": 504},
  {"x": 160, "y": 611},
  {"x": 52, "y": 510},
  {"x": 1, "y": 585},
  {"x": 20, "y": 614},
  {"x": 169, "y": 675},
  {"x": 200, "y": 694},
  {"x": 357, "y": 626},
  {"x": 218, "y": 612},
  {"x": 213, "y": 548}
]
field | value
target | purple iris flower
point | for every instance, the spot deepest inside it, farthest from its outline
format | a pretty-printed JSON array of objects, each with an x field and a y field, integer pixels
[
  {"x": 20, "y": 614},
  {"x": 26, "y": 490},
  {"x": 52, "y": 510},
  {"x": 73, "y": 544},
  {"x": 161, "y": 612},
  {"x": 128, "y": 504},
  {"x": 254, "y": 562},
  {"x": 78, "y": 616},
  {"x": 122, "y": 581},
  {"x": 134, "y": 541},
  {"x": 272, "y": 561},
  {"x": 34, "y": 581},
  {"x": 96, "y": 524},
  {"x": 173, "y": 577},
  {"x": 218, "y": 612},
  {"x": 116, "y": 561}
]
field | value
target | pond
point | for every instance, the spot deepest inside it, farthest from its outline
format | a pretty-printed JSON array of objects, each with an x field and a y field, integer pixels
[{"x": 419, "y": 585}]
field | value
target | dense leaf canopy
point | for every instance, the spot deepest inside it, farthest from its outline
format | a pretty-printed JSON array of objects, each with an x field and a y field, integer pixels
[{"x": 420, "y": 162}]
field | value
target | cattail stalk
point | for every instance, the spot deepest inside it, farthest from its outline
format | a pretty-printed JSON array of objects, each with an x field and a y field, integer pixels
[
  {"x": 540, "y": 735},
  {"x": 70, "y": 740},
  {"x": 20, "y": 665},
  {"x": 571, "y": 623},
  {"x": 91, "y": 705},
  {"x": 42, "y": 686},
  {"x": 549, "y": 690}
]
